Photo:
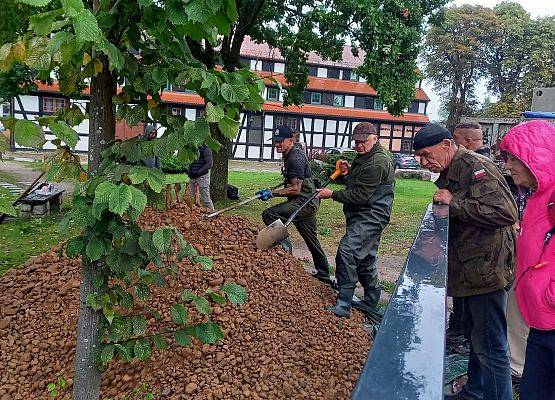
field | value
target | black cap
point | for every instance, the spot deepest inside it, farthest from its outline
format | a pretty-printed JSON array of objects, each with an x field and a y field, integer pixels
[
  {"x": 281, "y": 133},
  {"x": 430, "y": 135}
]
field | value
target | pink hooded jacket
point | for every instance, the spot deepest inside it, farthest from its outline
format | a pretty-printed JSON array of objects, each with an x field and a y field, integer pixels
[{"x": 533, "y": 143}]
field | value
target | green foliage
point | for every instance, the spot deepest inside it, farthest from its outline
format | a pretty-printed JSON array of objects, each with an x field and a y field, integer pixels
[{"x": 54, "y": 388}]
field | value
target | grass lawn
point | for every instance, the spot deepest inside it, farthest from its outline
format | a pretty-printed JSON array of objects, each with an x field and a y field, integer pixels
[{"x": 21, "y": 239}]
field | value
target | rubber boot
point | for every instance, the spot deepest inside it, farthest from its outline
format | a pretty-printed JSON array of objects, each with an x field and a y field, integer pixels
[
  {"x": 342, "y": 307},
  {"x": 321, "y": 272}
]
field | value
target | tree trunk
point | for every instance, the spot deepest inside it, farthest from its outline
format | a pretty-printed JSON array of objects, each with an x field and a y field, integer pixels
[
  {"x": 220, "y": 170},
  {"x": 86, "y": 381}
]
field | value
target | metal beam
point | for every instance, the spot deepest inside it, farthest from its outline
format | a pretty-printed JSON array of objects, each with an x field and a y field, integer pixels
[{"x": 406, "y": 360}]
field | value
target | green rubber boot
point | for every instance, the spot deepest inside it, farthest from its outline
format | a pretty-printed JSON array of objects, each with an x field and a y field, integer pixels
[{"x": 342, "y": 307}]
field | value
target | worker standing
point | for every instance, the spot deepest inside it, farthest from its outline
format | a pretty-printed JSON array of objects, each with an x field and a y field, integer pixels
[
  {"x": 480, "y": 255},
  {"x": 367, "y": 202},
  {"x": 199, "y": 175},
  {"x": 298, "y": 186}
]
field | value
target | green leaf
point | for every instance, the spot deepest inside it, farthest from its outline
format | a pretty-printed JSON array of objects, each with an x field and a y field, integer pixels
[
  {"x": 182, "y": 337},
  {"x": 115, "y": 57},
  {"x": 142, "y": 290},
  {"x": 145, "y": 3},
  {"x": 108, "y": 312},
  {"x": 138, "y": 174},
  {"x": 139, "y": 324},
  {"x": 120, "y": 199},
  {"x": 120, "y": 329},
  {"x": 208, "y": 332},
  {"x": 125, "y": 351},
  {"x": 236, "y": 293},
  {"x": 160, "y": 341},
  {"x": 93, "y": 301},
  {"x": 86, "y": 27},
  {"x": 103, "y": 191},
  {"x": 75, "y": 246},
  {"x": 179, "y": 314},
  {"x": 36, "y": 3},
  {"x": 228, "y": 93},
  {"x": 107, "y": 353},
  {"x": 55, "y": 43},
  {"x": 138, "y": 199},
  {"x": 51, "y": 387},
  {"x": 65, "y": 133},
  {"x": 229, "y": 127},
  {"x": 72, "y": 8},
  {"x": 202, "y": 305},
  {"x": 214, "y": 113},
  {"x": 218, "y": 298},
  {"x": 42, "y": 23},
  {"x": 94, "y": 249},
  {"x": 206, "y": 263},
  {"x": 188, "y": 295},
  {"x": 162, "y": 239},
  {"x": 142, "y": 349},
  {"x": 98, "y": 281},
  {"x": 160, "y": 75},
  {"x": 27, "y": 133},
  {"x": 156, "y": 180}
]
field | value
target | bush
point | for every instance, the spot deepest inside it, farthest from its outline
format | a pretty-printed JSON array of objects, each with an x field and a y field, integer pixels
[
  {"x": 329, "y": 169},
  {"x": 174, "y": 166}
]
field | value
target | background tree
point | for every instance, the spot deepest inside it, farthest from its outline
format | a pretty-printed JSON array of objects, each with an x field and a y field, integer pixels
[
  {"x": 453, "y": 58},
  {"x": 386, "y": 33}
]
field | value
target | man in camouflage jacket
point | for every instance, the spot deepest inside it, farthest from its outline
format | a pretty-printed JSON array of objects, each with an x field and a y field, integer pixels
[{"x": 481, "y": 252}]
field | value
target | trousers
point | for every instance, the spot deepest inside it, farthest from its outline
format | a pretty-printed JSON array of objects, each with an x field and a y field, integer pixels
[{"x": 203, "y": 183}]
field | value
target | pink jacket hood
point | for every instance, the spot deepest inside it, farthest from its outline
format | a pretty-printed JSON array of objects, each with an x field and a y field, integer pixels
[{"x": 533, "y": 143}]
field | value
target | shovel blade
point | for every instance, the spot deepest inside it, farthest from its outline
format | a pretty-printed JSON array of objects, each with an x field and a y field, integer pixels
[{"x": 272, "y": 235}]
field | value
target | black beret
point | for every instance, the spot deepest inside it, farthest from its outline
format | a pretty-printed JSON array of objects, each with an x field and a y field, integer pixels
[{"x": 430, "y": 135}]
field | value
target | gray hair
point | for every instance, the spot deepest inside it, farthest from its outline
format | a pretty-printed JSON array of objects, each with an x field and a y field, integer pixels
[{"x": 469, "y": 125}]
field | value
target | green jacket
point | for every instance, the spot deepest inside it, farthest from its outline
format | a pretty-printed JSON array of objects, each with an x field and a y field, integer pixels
[
  {"x": 367, "y": 172},
  {"x": 481, "y": 218}
]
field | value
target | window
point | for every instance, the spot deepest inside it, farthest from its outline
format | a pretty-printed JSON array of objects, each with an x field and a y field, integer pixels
[
  {"x": 316, "y": 98},
  {"x": 272, "y": 94},
  {"x": 267, "y": 66},
  {"x": 256, "y": 65},
  {"x": 421, "y": 108},
  {"x": 53, "y": 104},
  {"x": 322, "y": 73},
  {"x": 279, "y": 121},
  {"x": 5, "y": 110},
  {"x": 279, "y": 68},
  {"x": 378, "y": 104},
  {"x": 354, "y": 76},
  {"x": 338, "y": 100},
  {"x": 406, "y": 146},
  {"x": 293, "y": 123},
  {"x": 177, "y": 111},
  {"x": 312, "y": 71}
]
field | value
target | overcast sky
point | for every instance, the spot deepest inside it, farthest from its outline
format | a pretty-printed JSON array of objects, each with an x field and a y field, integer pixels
[{"x": 536, "y": 8}]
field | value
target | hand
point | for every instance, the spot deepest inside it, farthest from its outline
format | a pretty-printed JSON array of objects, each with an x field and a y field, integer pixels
[
  {"x": 344, "y": 167},
  {"x": 265, "y": 194},
  {"x": 324, "y": 193},
  {"x": 443, "y": 196}
]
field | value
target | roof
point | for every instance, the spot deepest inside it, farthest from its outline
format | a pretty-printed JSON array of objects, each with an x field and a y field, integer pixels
[
  {"x": 339, "y": 86},
  {"x": 185, "y": 98},
  {"x": 261, "y": 50},
  {"x": 308, "y": 109}
]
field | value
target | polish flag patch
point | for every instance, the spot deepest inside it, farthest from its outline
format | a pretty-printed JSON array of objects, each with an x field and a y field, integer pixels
[{"x": 479, "y": 173}]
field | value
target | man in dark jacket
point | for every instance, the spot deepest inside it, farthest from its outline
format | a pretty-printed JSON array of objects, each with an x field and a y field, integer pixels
[
  {"x": 481, "y": 251},
  {"x": 154, "y": 161},
  {"x": 367, "y": 201},
  {"x": 199, "y": 175},
  {"x": 298, "y": 186}
]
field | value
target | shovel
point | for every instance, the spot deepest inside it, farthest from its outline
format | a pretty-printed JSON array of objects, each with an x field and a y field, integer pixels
[
  {"x": 255, "y": 197},
  {"x": 276, "y": 232}
]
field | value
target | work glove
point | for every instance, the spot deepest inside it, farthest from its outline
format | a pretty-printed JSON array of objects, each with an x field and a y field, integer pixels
[{"x": 265, "y": 194}]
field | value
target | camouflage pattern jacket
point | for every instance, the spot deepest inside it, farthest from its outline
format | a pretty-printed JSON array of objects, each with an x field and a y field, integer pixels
[{"x": 481, "y": 218}]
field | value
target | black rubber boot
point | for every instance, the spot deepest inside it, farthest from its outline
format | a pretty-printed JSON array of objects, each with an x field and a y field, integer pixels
[{"x": 342, "y": 307}]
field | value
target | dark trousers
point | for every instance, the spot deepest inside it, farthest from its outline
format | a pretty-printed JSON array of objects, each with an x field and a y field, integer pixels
[
  {"x": 305, "y": 222},
  {"x": 484, "y": 324},
  {"x": 455, "y": 319},
  {"x": 538, "y": 378},
  {"x": 356, "y": 255}
]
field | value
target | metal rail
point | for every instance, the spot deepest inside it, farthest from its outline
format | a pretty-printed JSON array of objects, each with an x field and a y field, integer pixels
[{"x": 406, "y": 361}]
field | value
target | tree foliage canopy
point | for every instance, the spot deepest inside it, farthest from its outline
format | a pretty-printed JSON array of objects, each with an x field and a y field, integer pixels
[{"x": 512, "y": 52}]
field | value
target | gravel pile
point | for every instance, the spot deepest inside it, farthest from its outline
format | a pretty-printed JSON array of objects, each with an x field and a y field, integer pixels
[{"x": 280, "y": 345}]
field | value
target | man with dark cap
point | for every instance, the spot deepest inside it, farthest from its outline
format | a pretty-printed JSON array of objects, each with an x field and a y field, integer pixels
[
  {"x": 367, "y": 202},
  {"x": 481, "y": 250},
  {"x": 298, "y": 186},
  {"x": 470, "y": 135}
]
